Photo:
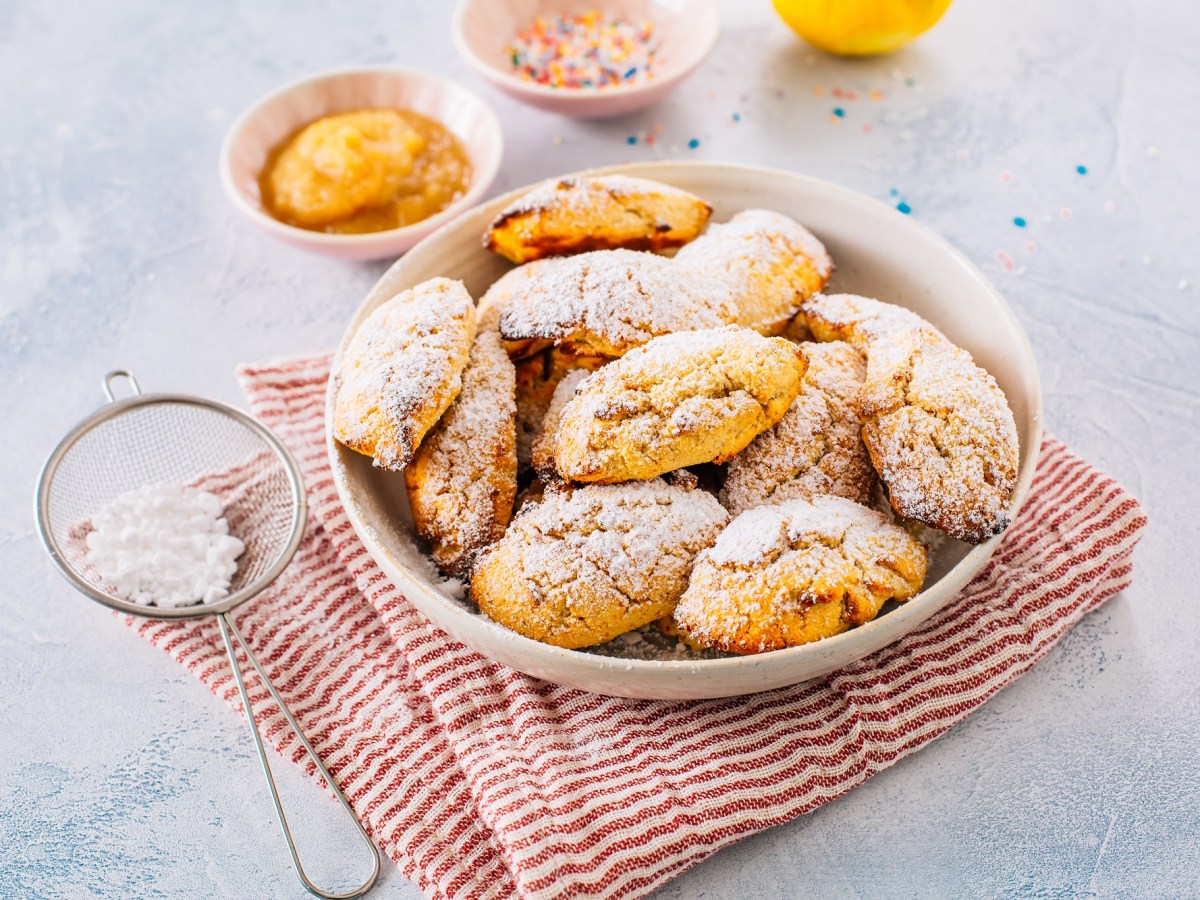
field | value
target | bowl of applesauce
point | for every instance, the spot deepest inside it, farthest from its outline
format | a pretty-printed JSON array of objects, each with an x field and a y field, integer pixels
[{"x": 361, "y": 163}]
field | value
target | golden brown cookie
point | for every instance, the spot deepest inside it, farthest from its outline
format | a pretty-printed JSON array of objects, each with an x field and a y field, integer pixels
[
  {"x": 537, "y": 378},
  {"x": 679, "y": 400},
  {"x": 939, "y": 429},
  {"x": 583, "y": 566},
  {"x": 463, "y": 478},
  {"x": 768, "y": 263},
  {"x": 607, "y": 302},
  {"x": 816, "y": 448},
  {"x": 402, "y": 369},
  {"x": 795, "y": 572},
  {"x": 573, "y": 215},
  {"x": 542, "y": 456}
]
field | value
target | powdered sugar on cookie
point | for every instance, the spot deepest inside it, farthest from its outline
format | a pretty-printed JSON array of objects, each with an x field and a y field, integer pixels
[
  {"x": 402, "y": 369},
  {"x": 816, "y": 448}
]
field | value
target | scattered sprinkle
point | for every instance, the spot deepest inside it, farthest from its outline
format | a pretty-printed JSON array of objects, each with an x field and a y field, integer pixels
[
  {"x": 1030, "y": 247},
  {"x": 866, "y": 129},
  {"x": 1081, "y": 169},
  {"x": 632, "y": 139},
  {"x": 1065, "y": 212},
  {"x": 1109, "y": 206},
  {"x": 1006, "y": 176},
  {"x": 837, "y": 92},
  {"x": 839, "y": 112},
  {"x": 591, "y": 50},
  {"x": 693, "y": 143},
  {"x": 737, "y": 117},
  {"x": 894, "y": 192},
  {"x": 1005, "y": 260},
  {"x": 910, "y": 82},
  {"x": 1019, "y": 221},
  {"x": 875, "y": 95},
  {"x": 904, "y": 207},
  {"x": 557, "y": 139},
  {"x": 851, "y": 95},
  {"x": 818, "y": 90},
  {"x": 650, "y": 138}
]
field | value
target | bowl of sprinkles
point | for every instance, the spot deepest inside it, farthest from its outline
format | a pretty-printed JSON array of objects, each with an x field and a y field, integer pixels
[{"x": 586, "y": 59}]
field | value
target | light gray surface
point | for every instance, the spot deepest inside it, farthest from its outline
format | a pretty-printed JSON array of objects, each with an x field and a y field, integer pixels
[{"x": 121, "y": 776}]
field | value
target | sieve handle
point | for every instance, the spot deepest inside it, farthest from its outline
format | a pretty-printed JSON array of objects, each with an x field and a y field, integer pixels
[
  {"x": 228, "y": 632},
  {"x": 109, "y": 384}
]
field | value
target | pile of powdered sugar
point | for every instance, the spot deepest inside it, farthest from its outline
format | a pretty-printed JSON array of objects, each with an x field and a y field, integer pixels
[{"x": 164, "y": 545}]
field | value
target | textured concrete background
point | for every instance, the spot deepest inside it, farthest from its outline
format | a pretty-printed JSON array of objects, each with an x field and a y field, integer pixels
[{"x": 121, "y": 776}]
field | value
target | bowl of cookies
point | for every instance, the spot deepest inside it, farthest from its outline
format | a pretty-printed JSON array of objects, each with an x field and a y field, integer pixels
[{"x": 682, "y": 430}]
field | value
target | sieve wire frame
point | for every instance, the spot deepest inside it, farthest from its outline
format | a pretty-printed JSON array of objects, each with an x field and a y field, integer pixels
[{"x": 117, "y": 408}]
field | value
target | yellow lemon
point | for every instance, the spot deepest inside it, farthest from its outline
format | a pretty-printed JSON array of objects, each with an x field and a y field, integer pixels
[{"x": 860, "y": 27}]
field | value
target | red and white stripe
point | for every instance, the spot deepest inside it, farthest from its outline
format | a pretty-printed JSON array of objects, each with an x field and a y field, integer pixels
[{"x": 482, "y": 782}]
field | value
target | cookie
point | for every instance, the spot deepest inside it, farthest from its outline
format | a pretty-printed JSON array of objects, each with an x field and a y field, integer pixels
[
  {"x": 542, "y": 454},
  {"x": 682, "y": 399},
  {"x": 795, "y": 572},
  {"x": 767, "y": 263},
  {"x": 537, "y": 377},
  {"x": 582, "y": 566},
  {"x": 817, "y": 447},
  {"x": 573, "y": 215},
  {"x": 401, "y": 370},
  {"x": 607, "y": 302},
  {"x": 463, "y": 478},
  {"x": 937, "y": 426}
]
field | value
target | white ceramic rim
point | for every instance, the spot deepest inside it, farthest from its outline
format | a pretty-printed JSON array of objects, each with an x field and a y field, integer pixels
[
  {"x": 583, "y": 665},
  {"x": 670, "y": 76},
  {"x": 481, "y": 181}
]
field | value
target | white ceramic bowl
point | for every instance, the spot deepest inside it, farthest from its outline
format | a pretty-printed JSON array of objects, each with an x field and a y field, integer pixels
[
  {"x": 686, "y": 30},
  {"x": 879, "y": 252},
  {"x": 270, "y": 120}
]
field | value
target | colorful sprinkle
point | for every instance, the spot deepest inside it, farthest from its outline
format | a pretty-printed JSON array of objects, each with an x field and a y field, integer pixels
[
  {"x": 650, "y": 138},
  {"x": 632, "y": 139},
  {"x": 1019, "y": 221},
  {"x": 1005, "y": 260},
  {"x": 1082, "y": 170},
  {"x": 693, "y": 143},
  {"x": 876, "y": 95},
  {"x": 586, "y": 51},
  {"x": 904, "y": 207},
  {"x": 1006, "y": 176},
  {"x": 1065, "y": 212},
  {"x": 1030, "y": 246},
  {"x": 818, "y": 90},
  {"x": 894, "y": 192},
  {"x": 557, "y": 139},
  {"x": 866, "y": 129},
  {"x": 737, "y": 117},
  {"x": 839, "y": 112}
]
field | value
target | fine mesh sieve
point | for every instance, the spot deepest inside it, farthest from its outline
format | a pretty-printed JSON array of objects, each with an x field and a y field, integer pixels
[{"x": 176, "y": 439}]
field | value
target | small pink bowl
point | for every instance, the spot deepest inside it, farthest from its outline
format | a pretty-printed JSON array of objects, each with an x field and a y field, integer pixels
[
  {"x": 270, "y": 120},
  {"x": 687, "y": 30}
]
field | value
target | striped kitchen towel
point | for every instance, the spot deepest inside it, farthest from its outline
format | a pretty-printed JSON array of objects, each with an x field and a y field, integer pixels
[{"x": 480, "y": 781}]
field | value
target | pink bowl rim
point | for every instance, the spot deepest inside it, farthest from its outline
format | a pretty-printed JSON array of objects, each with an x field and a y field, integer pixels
[
  {"x": 480, "y": 182},
  {"x": 485, "y": 68}
]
